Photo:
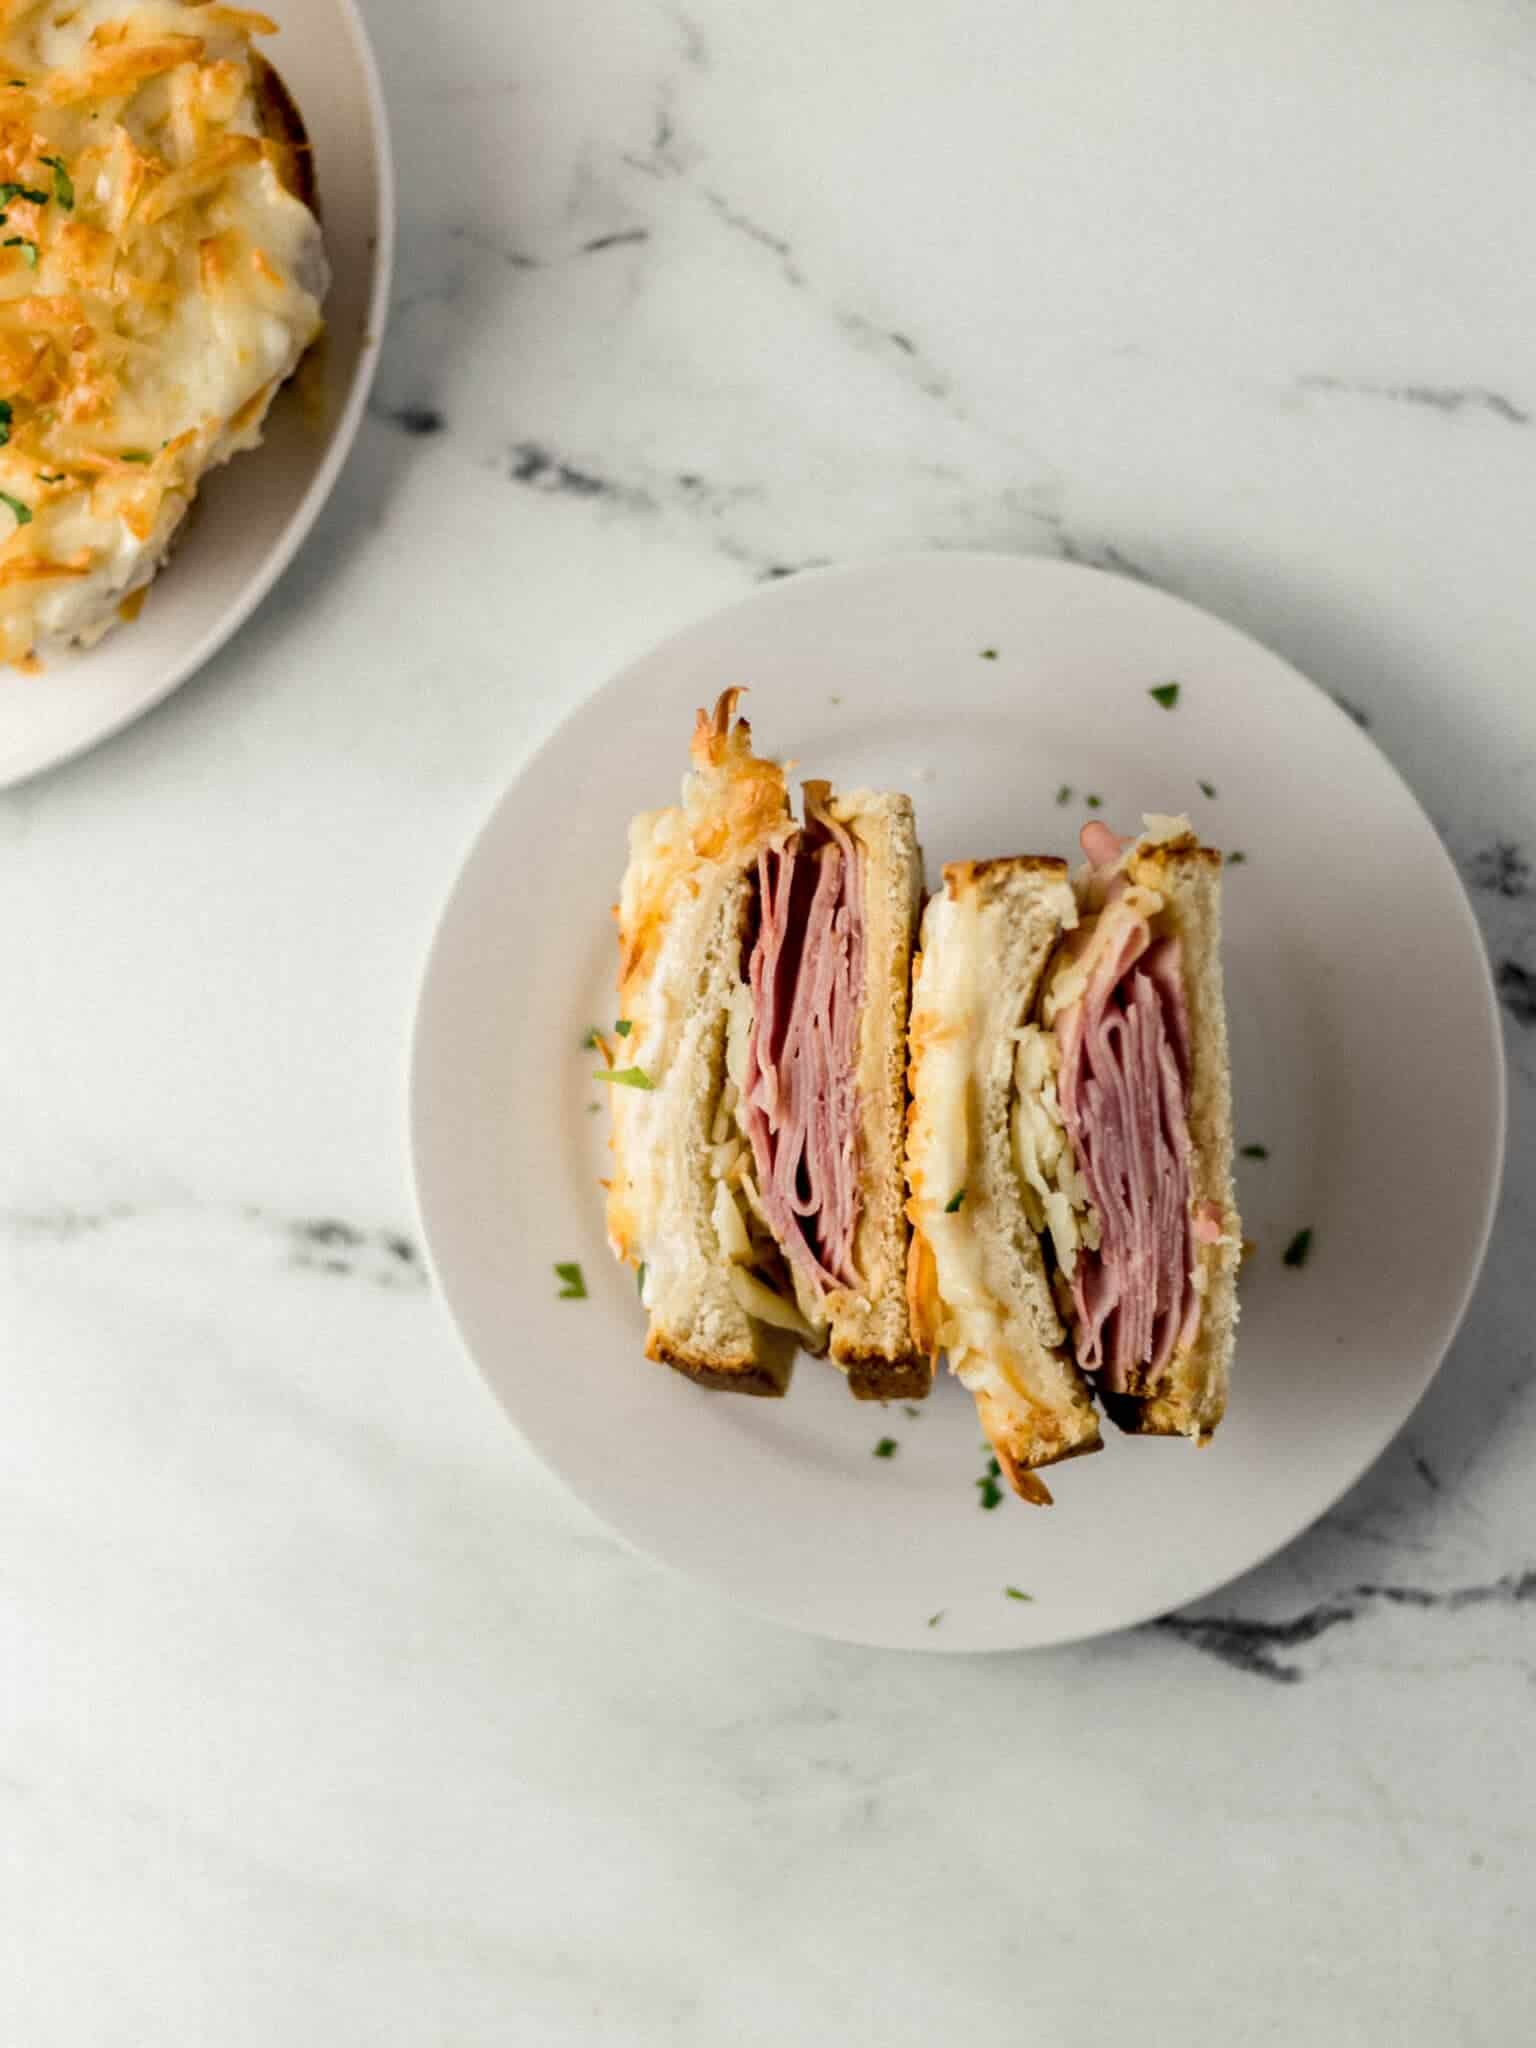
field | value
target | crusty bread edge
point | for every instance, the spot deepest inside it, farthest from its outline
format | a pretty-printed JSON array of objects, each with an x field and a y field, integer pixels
[
  {"x": 697, "y": 1326},
  {"x": 871, "y": 1335},
  {"x": 1190, "y": 1398},
  {"x": 1029, "y": 1425}
]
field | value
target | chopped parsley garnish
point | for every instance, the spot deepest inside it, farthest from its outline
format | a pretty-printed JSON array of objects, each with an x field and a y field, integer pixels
[
  {"x": 135, "y": 455},
  {"x": 886, "y": 1448},
  {"x": 987, "y": 1486},
  {"x": 28, "y": 249},
  {"x": 23, "y": 512},
  {"x": 908, "y": 1409},
  {"x": 626, "y": 1077},
  {"x": 640, "y": 1279},
  {"x": 935, "y": 1619},
  {"x": 1235, "y": 860},
  {"x": 624, "y": 1027},
  {"x": 1255, "y": 1152},
  {"x": 1207, "y": 789},
  {"x": 954, "y": 1201},
  {"x": 1064, "y": 794},
  {"x": 989, "y": 654},
  {"x": 9, "y": 192},
  {"x": 1013, "y": 1593},
  {"x": 572, "y": 1286},
  {"x": 1093, "y": 802},
  {"x": 1296, "y": 1251},
  {"x": 594, "y": 1108},
  {"x": 5, "y": 421},
  {"x": 589, "y": 1043},
  {"x": 63, "y": 189},
  {"x": 1166, "y": 694}
]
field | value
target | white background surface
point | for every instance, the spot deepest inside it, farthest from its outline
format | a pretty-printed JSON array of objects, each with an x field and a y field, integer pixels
[{"x": 324, "y": 1717}]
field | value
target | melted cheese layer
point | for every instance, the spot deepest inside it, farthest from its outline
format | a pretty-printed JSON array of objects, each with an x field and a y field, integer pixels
[
  {"x": 159, "y": 280},
  {"x": 973, "y": 1323}
]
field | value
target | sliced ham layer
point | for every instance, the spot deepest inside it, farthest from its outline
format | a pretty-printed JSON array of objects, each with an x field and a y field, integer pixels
[
  {"x": 1124, "y": 1093},
  {"x": 801, "y": 1093}
]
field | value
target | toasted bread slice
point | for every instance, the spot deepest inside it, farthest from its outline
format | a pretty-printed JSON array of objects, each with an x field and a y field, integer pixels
[
  {"x": 683, "y": 924},
  {"x": 1189, "y": 1396},
  {"x": 979, "y": 1281},
  {"x": 871, "y": 1333}
]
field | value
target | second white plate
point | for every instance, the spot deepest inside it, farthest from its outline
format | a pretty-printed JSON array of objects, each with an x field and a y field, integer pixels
[
  {"x": 251, "y": 517},
  {"x": 985, "y": 686}
]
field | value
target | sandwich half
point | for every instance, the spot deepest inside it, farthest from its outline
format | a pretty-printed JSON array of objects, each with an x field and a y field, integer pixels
[
  {"x": 1070, "y": 1144},
  {"x": 758, "y": 1078}
]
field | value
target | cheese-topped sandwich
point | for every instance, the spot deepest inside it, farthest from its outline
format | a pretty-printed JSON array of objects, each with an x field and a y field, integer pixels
[
  {"x": 1070, "y": 1144},
  {"x": 758, "y": 1084},
  {"x": 161, "y": 274}
]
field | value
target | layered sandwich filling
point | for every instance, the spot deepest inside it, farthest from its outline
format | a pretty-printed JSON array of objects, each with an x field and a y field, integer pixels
[
  {"x": 1116, "y": 1012},
  {"x": 798, "y": 1089}
]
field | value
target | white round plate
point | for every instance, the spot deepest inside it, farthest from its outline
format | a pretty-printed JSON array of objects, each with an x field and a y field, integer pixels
[
  {"x": 251, "y": 516},
  {"x": 1365, "y": 1042}
]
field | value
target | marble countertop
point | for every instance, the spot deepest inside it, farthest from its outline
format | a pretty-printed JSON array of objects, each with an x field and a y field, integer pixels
[{"x": 325, "y": 1717}]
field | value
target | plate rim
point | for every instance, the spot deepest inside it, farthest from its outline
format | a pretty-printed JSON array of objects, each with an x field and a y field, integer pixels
[
  {"x": 322, "y": 483},
  {"x": 700, "y": 1575}
]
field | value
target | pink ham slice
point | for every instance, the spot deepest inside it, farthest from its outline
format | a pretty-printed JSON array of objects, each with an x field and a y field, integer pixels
[
  {"x": 1124, "y": 1092},
  {"x": 801, "y": 1094}
]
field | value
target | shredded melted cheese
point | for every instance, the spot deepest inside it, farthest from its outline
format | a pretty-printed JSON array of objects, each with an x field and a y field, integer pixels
[
  {"x": 733, "y": 804},
  {"x": 1055, "y": 1193},
  {"x": 159, "y": 280}
]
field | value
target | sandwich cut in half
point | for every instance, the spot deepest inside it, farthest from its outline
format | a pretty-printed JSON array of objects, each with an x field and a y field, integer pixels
[
  {"x": 758, "y": 1079},
  {"x": 1070, "y": 1144}
]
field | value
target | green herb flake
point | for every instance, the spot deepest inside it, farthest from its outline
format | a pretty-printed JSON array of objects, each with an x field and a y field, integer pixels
[
  {"x": 994, "y": 1470},
  {"x": 1255, "y": 1152},
  {"x": 594, "y": 1109},
  {"x": 63, "y": 189},
  {"x": 5, "y": 421},
  {"x": 1207, "y": 789},
  {"x": 624, "y": 1027},
  {"x": 640, "y": 1279},
  {"x": 1013, "y": 1593},
  {"x": 626, "y": 1077},
  {"x": 135, "y": 455},
  {"x": 1064, "y": 794},
  {"x": 1166, "y": 694},
  {"x": 23, "y": 512},
  {"x": 991, "y": 1493},
  {"x": 1235, "y": 860},
  {"x": 954, "y": 1201},
  {"x": 28, "y": 249},
  {"x": 572, "y": 1286},
  {"x": 8, "y": 192},
  {"x": 589, "y": 1043},
  {"x": 1298, "y": 1248},
  {"x": 886, "y": 1448},
  {"x": 1093, "y": 802},
  {"x": 935, "y": 1619},
  {"x": 989, "y": 654},
  {"x": 908, "y": 1409}
]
